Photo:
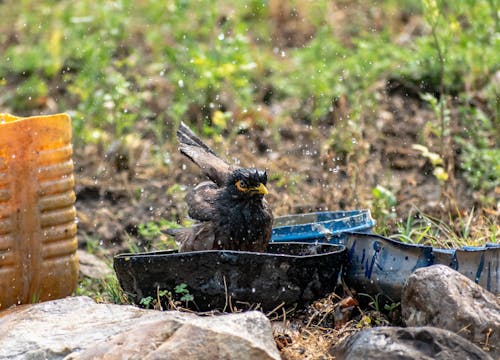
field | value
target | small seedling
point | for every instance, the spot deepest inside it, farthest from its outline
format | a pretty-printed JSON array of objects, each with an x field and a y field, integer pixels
[
  {"x": 146, "y": 302},
  {"x": 181, "y": 289}
]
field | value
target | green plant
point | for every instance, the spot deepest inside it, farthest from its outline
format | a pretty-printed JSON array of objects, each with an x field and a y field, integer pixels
[
  {"x": 383, "y": 206},
  {"x": 35, "y": 299},
  {"x": 376, "y": 302},
  {"x": 389, "y": 307},
  {"x": 113, "y": 291},
  {"x": 436, "y": 161},
  {"x": 91, "y": 244},
  {"x": 392, "y": 306},
  {"x": 102, "y": 290},
  {"x": 480, "y": 154},
  {"x": 453, "y": 232},
  {"x": 165, "y": 297},
  {"x": 432, "y": 14},
  {"x": 146, "y": 301},
  {"x": 150, "y": 230},
  {"x": 150, "y": 236},
  {"x": 30, "y": 93},
  {"x": 460, "y": 51},
  {"x": 182, "y": 290},
  {"x": 162, "y": 296}
]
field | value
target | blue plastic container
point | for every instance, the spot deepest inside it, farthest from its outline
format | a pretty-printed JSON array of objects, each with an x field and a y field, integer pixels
[
  {"x": 381, "y": 265},
  {"x": 321, "y": 226},
  {"x": 378, "y": 265}
]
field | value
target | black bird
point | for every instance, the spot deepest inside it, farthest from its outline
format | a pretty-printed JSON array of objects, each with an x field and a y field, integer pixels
[{"x": 231, "y": 211}]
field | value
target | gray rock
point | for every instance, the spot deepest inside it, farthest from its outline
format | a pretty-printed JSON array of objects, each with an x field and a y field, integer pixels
[
  {"x": 395, "y": 343},
  {"x": 78, "y": 328},
  {"x": 441, "y": 297},
  {"x": 93, "y": 267}
]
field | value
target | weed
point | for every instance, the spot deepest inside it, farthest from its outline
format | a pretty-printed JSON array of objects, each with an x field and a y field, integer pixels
[
  {"x": 480, "y": 155},
  {"x": 149, "y": 231},
  {"x": 436, "y": 160},
  {"x": 467, "y": 229},
  {"x": 165, "y": 297},
  {"x": 383, "y": 207},
  {"x": 35, "y": 298},
  {"x": 182, "y": 290},
  {"x": 91, "y": 244},
  {"x": 151, "y": 237},
  {"x": 102, "y": 290},
  {"x": 381, "y": 307},
  {"x": 146, "y": 301}
]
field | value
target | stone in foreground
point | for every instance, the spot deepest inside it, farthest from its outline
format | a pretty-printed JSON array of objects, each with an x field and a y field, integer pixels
[
  {"x": 441, "y": 297},
  {"x": 78, "y": 328},
  {"x": 396, "y": 343}
]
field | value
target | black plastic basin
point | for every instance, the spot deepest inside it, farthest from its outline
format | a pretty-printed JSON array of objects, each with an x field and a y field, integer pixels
[{"x": 287, "y": 274}]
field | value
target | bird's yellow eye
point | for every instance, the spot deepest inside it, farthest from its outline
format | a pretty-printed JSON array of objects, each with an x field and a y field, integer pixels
[{"x": 241, "y": 185}]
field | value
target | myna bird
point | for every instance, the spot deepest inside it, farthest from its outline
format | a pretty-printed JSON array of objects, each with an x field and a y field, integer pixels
[{"x": 231, "y": 211}]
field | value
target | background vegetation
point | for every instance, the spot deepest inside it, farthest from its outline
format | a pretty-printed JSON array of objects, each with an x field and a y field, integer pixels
[{"x": 128, "y": 71}]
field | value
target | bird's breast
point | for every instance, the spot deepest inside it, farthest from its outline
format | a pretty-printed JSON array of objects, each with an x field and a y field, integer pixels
[{"x": 245, "y": 222}]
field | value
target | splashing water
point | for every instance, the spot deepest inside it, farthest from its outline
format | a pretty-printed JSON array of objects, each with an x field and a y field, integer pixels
[{"x": 322, "y": 230}]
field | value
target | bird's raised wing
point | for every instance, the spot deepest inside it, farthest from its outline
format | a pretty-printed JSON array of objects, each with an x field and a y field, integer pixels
[{"x": 202, "y": 155}]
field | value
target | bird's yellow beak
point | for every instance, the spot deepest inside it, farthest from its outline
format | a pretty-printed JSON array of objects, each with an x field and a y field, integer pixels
[{"x": 261, "y": 189}]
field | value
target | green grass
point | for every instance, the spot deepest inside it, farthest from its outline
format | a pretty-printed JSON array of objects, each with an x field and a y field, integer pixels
[
  {"x": 106, "y": 290},
  {"x": 104, "y": 57},
  {"x": 466, "y": 229}
]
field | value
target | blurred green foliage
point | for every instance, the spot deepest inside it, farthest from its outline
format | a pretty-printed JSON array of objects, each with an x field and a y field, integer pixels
[{"x": 114, "y": 64}]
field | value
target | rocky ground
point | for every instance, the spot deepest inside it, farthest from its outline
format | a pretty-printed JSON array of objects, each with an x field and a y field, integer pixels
[{"x": 467, "y": 327}]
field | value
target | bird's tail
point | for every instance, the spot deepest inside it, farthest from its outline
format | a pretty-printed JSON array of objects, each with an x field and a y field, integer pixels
[
  {"x": 179, "y": 234},
  {"x": 171, "y": 232}
]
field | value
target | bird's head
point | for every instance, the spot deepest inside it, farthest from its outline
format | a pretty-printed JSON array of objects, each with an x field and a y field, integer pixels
[{"x": 247, "y": 183}]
